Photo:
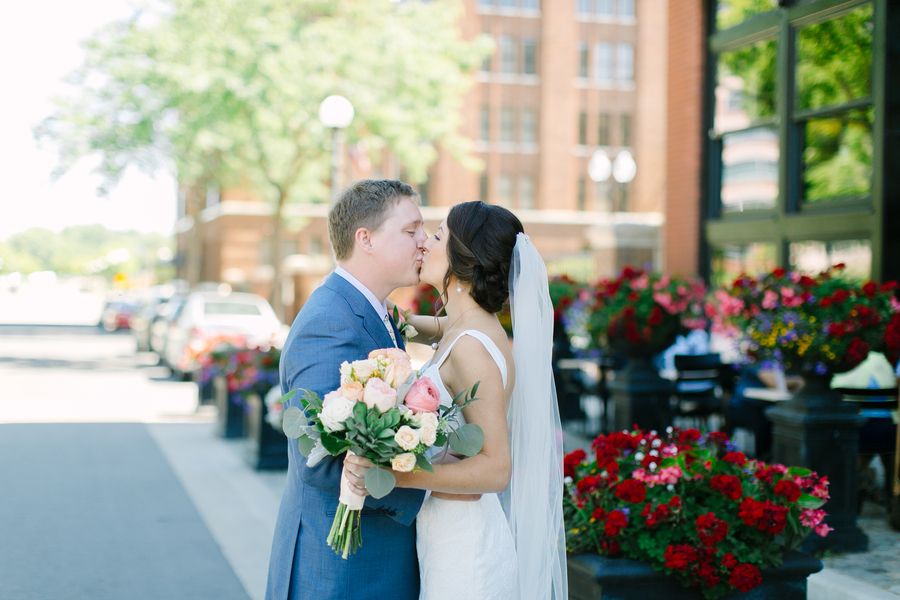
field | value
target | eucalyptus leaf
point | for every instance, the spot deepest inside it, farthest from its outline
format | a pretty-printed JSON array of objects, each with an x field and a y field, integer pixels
[
  {"x": 423, "y": 463},
  {"x": 380, "y": 482},
  {"x": 293, "y": 422},
  {"x": 305, "y": 444},
  {"x": 467, "y": 440}
]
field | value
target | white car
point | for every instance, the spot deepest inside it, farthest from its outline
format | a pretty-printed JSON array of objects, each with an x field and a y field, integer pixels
[{"x": 210, "y": 314}]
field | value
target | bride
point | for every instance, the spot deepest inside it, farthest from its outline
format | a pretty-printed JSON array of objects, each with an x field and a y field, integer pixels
[{"x": 491, "y": 527}]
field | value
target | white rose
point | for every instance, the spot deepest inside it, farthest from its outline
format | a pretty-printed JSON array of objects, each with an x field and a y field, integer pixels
[
  {"x": 429, "y": 419},
  {"x": 346, "y": 372},
  {"x": 428, "y": 433},
  {"x": 363, "y": 369},
  {"x": 335, "y": 410},
  {"x": 404, "y": 463},
  {"x": 407, "y": 437},
  {"x": 410, "y": 332}
]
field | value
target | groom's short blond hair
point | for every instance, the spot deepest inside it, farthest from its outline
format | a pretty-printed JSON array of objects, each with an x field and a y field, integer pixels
[{"x": 366, "y": 203}]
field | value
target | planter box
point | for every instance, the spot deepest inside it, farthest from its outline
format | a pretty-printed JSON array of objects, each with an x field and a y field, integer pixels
[
  {"x": 231, "y": 410},
  {"x": 266, "y": 447},
  {"x": 592, "y": 577},
  {"x": 206, "y": 392}
]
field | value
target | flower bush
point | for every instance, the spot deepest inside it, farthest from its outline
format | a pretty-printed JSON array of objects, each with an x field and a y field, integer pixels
[
  {"x": 640, "y": 313},
  {"x": 823, "y": 324},
  {"x": 564, "y": 291},
  {"x": 689, "y": 505}
]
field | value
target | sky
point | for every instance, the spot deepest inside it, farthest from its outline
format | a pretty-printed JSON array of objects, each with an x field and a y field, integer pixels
[{"x": 39, "y": 46}]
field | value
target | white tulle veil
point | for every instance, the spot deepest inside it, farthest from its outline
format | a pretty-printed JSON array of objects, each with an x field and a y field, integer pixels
[{"x": 533, "y": 501}]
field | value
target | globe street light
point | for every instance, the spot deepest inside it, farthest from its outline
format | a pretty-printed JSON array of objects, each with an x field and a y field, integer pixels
[{"x": 336, "y": 113}]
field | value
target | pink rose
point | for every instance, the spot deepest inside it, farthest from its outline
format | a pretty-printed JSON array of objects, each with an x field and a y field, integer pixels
[
  {"x": 423, "y": 396},
  {"x": 770, "y": 300},
  {"x": 380, "y": 395}
]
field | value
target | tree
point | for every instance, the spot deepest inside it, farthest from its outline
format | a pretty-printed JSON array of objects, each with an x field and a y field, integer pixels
[{"x": 228, "y": 92}]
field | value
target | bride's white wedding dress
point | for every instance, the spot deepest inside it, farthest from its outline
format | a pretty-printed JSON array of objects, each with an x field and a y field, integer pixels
[{"x": 466, "y": 549}]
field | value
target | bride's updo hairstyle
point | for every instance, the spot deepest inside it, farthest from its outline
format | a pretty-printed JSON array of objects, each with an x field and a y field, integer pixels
[{"x": 479, "y": 248}]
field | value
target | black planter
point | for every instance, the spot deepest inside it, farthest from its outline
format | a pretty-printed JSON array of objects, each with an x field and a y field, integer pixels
[
  {"x": 231, "y": 410},
  {"x": 266, "y": 447},
  {"x": 817, "y": 430},
  {"x": 592, "y": 577},
  {"x": 206, "y": 392},
  {"x": 641, "y": 396}
]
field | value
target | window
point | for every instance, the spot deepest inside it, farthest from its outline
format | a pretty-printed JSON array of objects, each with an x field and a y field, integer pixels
[
  {"x": 526, "y": 192},
  {"x": 507, "y": 124},
  {"x": 584, "y": 7},
  {"x": 531, "y": 5},
  {"x": 746, "y": 78},
  {"x": 504, "y": 190},
  {"x": 626, "y": 9},
  {"x": 624, "y": 194},
  {"x": 732, "y": 12},
  {"x": 486, "y": 3},
  {"x": 603, "y": 137},
  {"x": 816, "y": 256},
  {"x": 582, "y": 193},
  {"x": 625, "y": 63},
  {"x": 583, "y": 58},
  {"x": 605, "y": 9},
  {"x": 604, "y": 196},
  {"x": 582, "y": 128},
  {"x": 837, "y": 156},
  {"x": 529, "y": 57},
  {"x": 626, "y": 130},
  {"x": 483, "y": 187},
  {"x": 749, "y": 170},
  {"x": 509, "y": 61},
  {"x": 529, "y": 126},
  {"x": 485, "y": 124},
  {"x": 507, "y": 3},
  {"x": 731, "y": 260},
  {"x": 603, "y": 62}
]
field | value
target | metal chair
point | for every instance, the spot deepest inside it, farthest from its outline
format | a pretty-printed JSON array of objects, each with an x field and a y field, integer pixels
[{"x": 698, "y": 392}]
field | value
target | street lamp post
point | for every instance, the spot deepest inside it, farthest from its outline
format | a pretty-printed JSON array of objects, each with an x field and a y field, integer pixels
[{"x": 336, "y": 113}]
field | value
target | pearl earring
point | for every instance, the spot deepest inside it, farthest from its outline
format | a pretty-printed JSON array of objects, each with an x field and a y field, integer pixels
[{"x": 458, "y": 289}]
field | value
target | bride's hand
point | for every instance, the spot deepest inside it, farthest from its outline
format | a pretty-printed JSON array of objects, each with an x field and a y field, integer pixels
[{"x": 355, "y": 468}]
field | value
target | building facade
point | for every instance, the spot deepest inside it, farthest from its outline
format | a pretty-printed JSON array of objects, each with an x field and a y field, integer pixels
[{"x": 568, "y": 121}]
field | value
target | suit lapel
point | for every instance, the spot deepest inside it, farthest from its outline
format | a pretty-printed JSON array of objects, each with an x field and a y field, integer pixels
[
  {"x": 401, "y": 343},
  {"x": 371, "y": 322}
]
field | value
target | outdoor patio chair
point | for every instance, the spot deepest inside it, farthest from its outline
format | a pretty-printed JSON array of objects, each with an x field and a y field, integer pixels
[{"x": 698, "y": 393}]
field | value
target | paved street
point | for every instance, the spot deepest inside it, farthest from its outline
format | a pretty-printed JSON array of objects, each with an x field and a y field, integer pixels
[{"x": 114, "y": 484}]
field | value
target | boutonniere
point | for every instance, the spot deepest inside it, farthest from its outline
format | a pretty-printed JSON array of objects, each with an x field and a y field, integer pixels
[{"x": 404, "y": 327}]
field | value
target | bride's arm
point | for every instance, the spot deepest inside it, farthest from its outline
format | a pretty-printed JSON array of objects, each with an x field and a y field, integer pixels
[
  {"x": 489, "y": 470},
  {"x": 429, "y": 327}
]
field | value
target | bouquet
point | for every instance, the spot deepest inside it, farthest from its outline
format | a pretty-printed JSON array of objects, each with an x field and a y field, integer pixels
[
  {"x": 823, "y": 324},
  {"x": 640, "y": 313},
  {"x": 386, "y": 413},
  {"x": 690, "y": 506}
]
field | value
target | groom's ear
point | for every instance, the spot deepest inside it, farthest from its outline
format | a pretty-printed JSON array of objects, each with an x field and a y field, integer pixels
[{"x": 363, "y": 239}]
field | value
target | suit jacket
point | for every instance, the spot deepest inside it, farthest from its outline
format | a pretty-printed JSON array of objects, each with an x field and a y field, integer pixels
[{"x": 337, "y": 324}]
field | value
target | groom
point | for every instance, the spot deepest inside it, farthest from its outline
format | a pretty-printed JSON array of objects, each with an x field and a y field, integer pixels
[{"x": 377, "y": 234}]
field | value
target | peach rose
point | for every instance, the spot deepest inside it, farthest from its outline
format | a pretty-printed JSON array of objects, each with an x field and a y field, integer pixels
[
  {"x": 380, "y": 395},
  {"x": 404, "y": 463},
  {"x": 352, "y": 390},
  {"x": 428, "y": 433},
  {"x": 407, "y": 438},
  {"x": 399, "y": 367},
  {"x": 423, "y": 396}
]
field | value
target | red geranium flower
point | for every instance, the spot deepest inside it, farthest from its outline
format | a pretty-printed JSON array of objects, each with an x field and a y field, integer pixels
[
  {"x": 787, "y": 489},
  {"x": 745, "y": 577},
  {"x": 679, "y": 556},
  {"x": 739, "y": 459},
  {"x": 572, "y": 460},
  {"x": 728, "y": 485},
  {"x": 615, "y": 523},
  {"x": 710, "y": 529},
  {"x": 632, "y": 491}
]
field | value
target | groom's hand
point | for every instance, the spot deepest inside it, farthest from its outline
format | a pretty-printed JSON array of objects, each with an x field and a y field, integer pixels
[{"x": 356, "y": 467}]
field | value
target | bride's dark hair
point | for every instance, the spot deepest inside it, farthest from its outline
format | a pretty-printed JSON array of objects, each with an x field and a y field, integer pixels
[{"x": 479, "y": 248}]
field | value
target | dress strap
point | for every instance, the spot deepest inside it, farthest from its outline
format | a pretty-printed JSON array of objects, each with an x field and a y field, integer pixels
[{"x": 488, "y": 344}]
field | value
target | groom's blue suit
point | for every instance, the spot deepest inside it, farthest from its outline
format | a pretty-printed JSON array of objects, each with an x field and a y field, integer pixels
[{"x": 337, "y": 323}]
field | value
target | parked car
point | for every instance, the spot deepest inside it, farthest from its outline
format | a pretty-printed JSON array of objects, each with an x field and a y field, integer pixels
[
  {"x": 149, "y": 311},
  {"x": 159, "y": 328},
  {"x": 209, "y": 314},
  {"x": 117, "y": 315}
]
